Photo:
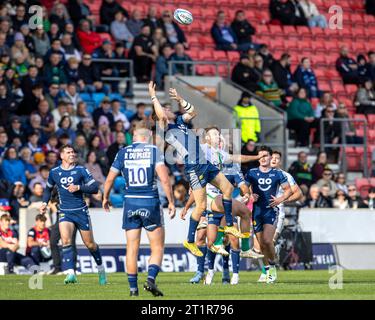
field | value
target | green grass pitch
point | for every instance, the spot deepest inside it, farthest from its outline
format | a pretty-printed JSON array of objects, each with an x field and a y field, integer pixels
[{"x": 290, "y": 285}]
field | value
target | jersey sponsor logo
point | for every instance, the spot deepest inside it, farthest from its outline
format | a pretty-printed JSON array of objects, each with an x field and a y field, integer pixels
[
  {"x": 142, "y": 212},
  {"x": 66, "y": 181},
  {"x": 264, "y": 184},
  {"x": 73, "y": 172}
]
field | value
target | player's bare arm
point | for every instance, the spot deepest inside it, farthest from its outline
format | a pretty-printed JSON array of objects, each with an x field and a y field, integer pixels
[
  {"x": 109, "y": 181},
  {"x": 189, "y": 108},
  {"x": 296, "y": 194},
  {"x": 162, "y": 172},
  {"x": 287, "y": 193},
  {"x": 240, "y": 158},
  {"x": 187, "y": 206},
  {"x": 160, "y": 114}
]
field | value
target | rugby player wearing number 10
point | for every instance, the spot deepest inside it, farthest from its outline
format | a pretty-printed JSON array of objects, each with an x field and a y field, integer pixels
[{"x": 139, "y": 164}]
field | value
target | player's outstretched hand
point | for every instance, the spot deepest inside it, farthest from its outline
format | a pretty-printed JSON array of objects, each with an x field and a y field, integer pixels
[
  {"x": 183, "y": 213},
  {"x": 255, "y": 197},
  {"x": 275, "y": 201},
  {"x": 174, "y": 95},
  {"x": 171, "y": 210},
  {"x": 106, "y": 205},
  {"x": 152, "y": 89},
  {"x": 43, "y": 208}
]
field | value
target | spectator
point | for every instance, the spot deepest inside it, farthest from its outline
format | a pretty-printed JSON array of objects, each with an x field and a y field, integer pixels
[
  {"x": 172, "y": 32},
  {"x": 108, "y": 10},
  {"x": 8, "y": 105},
  {"x": 116, "y": 146},
  {"x": 88, "y": 39},
  {"x": 54, "y": 32},
  {"x": 318, "y": 197},
  {"x": 327, "y": 180},
  {"x": 118, "y": 115},
  {"x": 370, "y": 65},
  {"x": 37, "y": 193},
  {"x": 181, "y": 193},
  {"x": 283, "y": 76},
  {"x": 355, "y": 201},
  {"x": 41, "y": 177},
  {"x": 250, "y": 128},
  {"x": 104, "y": 110},
  {"x": 60, "y": 16},
  {"x": 68, "y": 48},
  {"x": 94, "y": 168},
  {"x": 332, "y": 131},
  {"x": 347, "y": 67},
  {"x": 370, "y": 201},
  {"x": 159, "y": 39},
  {"x": 38, "y": 239},
  {"x": 140, "y": 114},
  {"x": 151, "y": 19},
  {"x": 12, "y": 167},
  {"x": 71, "y": 94},
  {"x": 29, "y": 42},
  {"x": 312, "y": 14},
  {"x": 242, "y": 28},
  {"x": 244, "y": 75},
  {"x": 144, "y": 54},
  {"x": 319, "y": 166},
  {"x": 162, "y": 68},
  {"x": 28, "y": 162},
  {"x": 341, "y": 182},
  {"x": 65, "y": 127},
  {"x": 363, "y": 72},
  {"x": 305, "y": 78},
  {"x": 249, "y": 148},
  {"x": 70, "y": 29},
  {"x": 71, "y": 70},
  {"x": 9, "y": 245},
  {"x": 347, "y": 127},
  {"x": 54, "y": 70},
  {"x": 87, "y": 129},
  {"x": 15, "y": 130},
  {"x": 288, "y": 12},
  {"x": 267, "y": 57},
  {"x": 30, "y": 80},
  {"x": 340, "y": 201},
  {"x": 180, "y": 55},
  {"x": 3, "y": 143},
  {"x": 326, "y": 100},
  {"x": 101, "y": 156},
  {"x": 89, "y": 77},
  {"x": 33, "y": 136},
  {"x": 78, "y": 11},
  {"x": 4, "y": 48},
  {"x": 120, "y": 30},
  {"x": 82, "y": 113},
  {"x": 365, "y": 98},
  {"x": 301, "y": 170},
  {"x": 223, "y": 35},
  {"x": 268, "y": 89},
  {"x": 135, "y": 23},
  {"x": 17, "y": 201},
  {"x": 82, "y": 149},
  {"x": 104, "y": 133},
  {"x": 19, "y": 48},
  {"x": 370, "y": 7},
  {"x": 20, "y": 18},
  {"x": 301, "y": 117},
  {"x": 47, "y": 124}
]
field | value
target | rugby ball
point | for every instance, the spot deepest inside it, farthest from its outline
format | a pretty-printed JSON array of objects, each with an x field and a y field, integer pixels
[{"x": 183, "y": 16}]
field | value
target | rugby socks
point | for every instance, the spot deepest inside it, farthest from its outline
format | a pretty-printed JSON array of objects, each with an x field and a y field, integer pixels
[
  {"x": 201, "y": 260},
  {"x": 264, "y": 271},
  {"x": 153, "y": 271},
  {"x": 193, "y": 224},
  {"x": 133, "y": 282},
  {"x": 97, "y": 256},
  {"x": 228, "y": 211},
  {"x": 235, "y": 255},
  {"x": 226, "y": 258},
  {"x": 219, "y": 237},
  {"x": 245, "y": 241},
  {"x": 211, "y": 259},
  {"x": 68, "y": 258}
]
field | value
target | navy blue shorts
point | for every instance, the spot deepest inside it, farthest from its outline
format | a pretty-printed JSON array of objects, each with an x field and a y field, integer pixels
[
  {"x": 200, "y": 174},
  {"x": 80, "y": 218},
  {"x": 263, "y": 216},
  {"x": 214, "y": 218},
  {"x": 142, "y": 213}
]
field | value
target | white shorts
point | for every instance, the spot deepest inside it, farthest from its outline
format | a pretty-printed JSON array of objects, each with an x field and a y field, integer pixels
[{"x": 280, "y": 219}]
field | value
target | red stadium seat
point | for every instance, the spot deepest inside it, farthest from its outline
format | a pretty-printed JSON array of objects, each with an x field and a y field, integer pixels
[
  {"x": 371, "y": 121},
  {"x": 219, "y": 55},
  {"x": 363, "y": 186},
  {"x": 359, "y": 124},
  {"x": 205, "y": 70},
  {"x": 205, "y": 55},
  {"x": 233, "y": 56}
]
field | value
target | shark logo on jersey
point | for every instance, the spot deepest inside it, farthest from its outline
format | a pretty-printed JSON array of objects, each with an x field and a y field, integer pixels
[
  {"x": 263, "y": 182},
  {"x": 66, "y": 181}
]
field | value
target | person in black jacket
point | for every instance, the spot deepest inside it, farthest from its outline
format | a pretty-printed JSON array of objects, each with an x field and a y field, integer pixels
[
  {"x": 370, "y": 7},
  {"x": 355, "y": 201},
  {"x": 116, "y": 146},
  {"x": 108, "y": 10},
  {"x": 242, "y": 28},
  {"x": 30, "y": 80},
  {"x": 244, "y": 75},
  {"x": 283, "y": 76},
  {"x": 287, "y": 12},
  {"x": 8, "y": 105},
  {"x": 347, "y": 67},
  {"x": 78, "y": 10},
  {"x": 152, "y": 18}
]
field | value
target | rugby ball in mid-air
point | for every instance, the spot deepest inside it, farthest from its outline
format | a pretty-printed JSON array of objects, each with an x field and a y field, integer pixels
[{"x": 183, "y": 16}]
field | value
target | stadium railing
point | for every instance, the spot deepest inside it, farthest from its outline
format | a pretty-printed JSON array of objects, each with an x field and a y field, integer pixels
[
  {"x": 193, "y": 65},
  {"x": 343, "y": 145},
  {"x": 129, "y": 79}
]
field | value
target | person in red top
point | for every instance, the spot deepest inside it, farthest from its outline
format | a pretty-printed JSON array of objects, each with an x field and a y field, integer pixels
[
  {"x": 88, "y": 39},
  {"x": 38, "y": 245},
  {"x": 9, "y": 246}
]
